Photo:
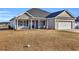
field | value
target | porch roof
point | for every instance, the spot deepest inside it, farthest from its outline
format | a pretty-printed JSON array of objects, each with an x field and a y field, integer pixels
[
  {"x": 54, "y": 14},
  {"x": 35, "y": 18}
]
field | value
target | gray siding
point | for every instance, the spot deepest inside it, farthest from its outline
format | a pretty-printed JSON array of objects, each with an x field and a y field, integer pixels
[
  {"x": 24, "y": 16},
  {"x": 51, "y": 23},
  {"x": 73, "y": 24},
  {"x": 13, "y": 24}
]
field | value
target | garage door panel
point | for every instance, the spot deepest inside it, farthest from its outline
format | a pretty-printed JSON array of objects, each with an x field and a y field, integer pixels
[{"x": 64, "y": 25}]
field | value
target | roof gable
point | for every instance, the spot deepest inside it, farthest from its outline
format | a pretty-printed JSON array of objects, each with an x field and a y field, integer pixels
[
  {"x": 54, "y": 14},
  {"x": 24, "y": 16},
  {"x": 36, "y": 12},
  {"x": 62, "y": 13},
  {"x": 65, "y": 14}
]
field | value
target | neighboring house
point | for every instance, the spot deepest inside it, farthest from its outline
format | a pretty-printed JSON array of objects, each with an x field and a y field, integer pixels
[
  {"x": 39, "y": 19},
  {"x": 77, "y": 23}
]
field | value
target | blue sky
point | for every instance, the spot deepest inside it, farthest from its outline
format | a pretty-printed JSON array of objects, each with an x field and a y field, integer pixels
[{"x": 7, "y": 13}]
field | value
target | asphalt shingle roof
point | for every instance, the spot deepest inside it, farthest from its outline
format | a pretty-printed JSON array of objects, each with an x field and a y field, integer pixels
[
  {"x": 12, "y": 18},
  {"x": 36, "y": 12},
  {"x": 54, "y": 14}
]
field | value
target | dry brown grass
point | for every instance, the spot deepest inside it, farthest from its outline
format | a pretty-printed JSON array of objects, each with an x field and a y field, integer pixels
[{"x": 39, "y": 40}]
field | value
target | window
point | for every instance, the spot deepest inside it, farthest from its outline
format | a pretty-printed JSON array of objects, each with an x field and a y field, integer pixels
[
  {"x": 43, "y": 22},
  {"x": 19, "y": 23},
  {"x": 26, "y": 23}
]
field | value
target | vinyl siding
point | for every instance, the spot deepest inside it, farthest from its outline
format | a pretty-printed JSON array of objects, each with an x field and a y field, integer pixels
[
  {"x": 51, "y": 23},
  {"x": 64, "y": 14},
  {"x": 24, "y": 16},
  {"x": 13, "y": 24}
]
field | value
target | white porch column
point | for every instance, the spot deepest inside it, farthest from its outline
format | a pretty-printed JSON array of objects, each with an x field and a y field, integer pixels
[
  {"x": 38, "y": 24},
  {"x": 35, "y": 24},
  {"x": 47, "y": 24},
  {"x": 73, "y": 24},
  {"x": 31, "y": 24},
  {"x": 23, "y": 23},
  {"x": 16, "y": 24}
]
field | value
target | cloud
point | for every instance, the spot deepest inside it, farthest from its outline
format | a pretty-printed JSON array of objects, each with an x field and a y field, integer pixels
[
  {"x": 5, "y": 15},
  {"x": 3, "y": 19},
  {"x": 4, "y": 12}
]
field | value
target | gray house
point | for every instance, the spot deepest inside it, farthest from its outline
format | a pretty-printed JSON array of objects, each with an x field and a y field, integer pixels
[{"x": 39, "y": 19}]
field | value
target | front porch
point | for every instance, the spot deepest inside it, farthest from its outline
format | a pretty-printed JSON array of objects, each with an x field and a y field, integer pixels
[{"x": 31, "y": 24}]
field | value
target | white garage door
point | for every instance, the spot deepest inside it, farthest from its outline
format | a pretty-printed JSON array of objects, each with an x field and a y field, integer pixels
[{"x": 64, "y": 25}]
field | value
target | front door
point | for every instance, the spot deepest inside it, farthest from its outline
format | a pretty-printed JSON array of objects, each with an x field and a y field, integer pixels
[
  {"x": 33, "y": 24},
  {"x": 36, "y": 24},
  {"x": 43, "y": 24}
]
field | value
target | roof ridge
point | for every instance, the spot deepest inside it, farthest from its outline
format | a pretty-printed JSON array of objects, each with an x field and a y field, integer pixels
[
  {"x": 58, "y": 11},
  {"x": 38, "y": 12},
  {"x": 38, "y": 9}
]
